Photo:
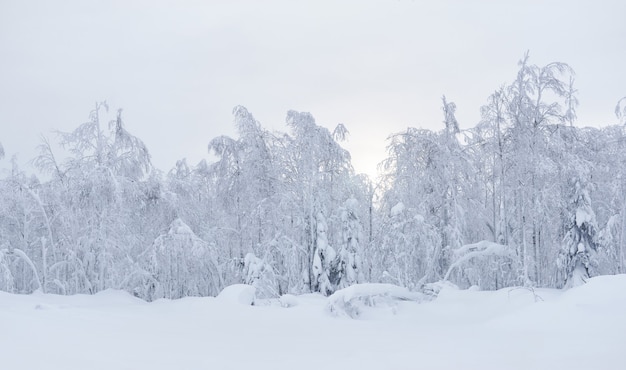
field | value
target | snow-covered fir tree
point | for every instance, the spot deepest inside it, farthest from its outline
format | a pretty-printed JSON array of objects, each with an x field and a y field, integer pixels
[
  {"x": 349, "y": 264},
  {"x": 324, "y": 259},
  {"x": 580, "y": 245}
]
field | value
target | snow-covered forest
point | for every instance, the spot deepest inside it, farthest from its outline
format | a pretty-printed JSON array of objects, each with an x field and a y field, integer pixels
[{"x": 528, "y": 196}]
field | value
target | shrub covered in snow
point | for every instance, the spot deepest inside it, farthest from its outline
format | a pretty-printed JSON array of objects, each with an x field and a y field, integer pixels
[{"x": 351, "y": 301}]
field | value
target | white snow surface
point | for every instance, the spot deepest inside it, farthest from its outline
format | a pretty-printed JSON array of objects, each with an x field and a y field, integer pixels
[{"x": 513, "y": 328}]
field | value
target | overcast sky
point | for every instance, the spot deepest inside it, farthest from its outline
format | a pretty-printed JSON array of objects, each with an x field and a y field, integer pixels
[{"x": 178, "y": 68}]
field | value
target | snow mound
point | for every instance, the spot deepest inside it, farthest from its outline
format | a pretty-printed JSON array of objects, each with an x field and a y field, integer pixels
[
  {"x": 288, "y": 300},
  {"x": 599, "y": 290},
  {"x": 353, "y": 300},
  {"x": 239, "y": 294}
]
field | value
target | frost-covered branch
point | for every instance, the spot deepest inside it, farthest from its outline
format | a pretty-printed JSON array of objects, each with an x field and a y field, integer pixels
[{"x": 480, "y": 250}]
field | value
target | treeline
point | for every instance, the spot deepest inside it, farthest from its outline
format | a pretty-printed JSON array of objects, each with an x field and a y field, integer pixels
[{"x": 523, "y": 198}]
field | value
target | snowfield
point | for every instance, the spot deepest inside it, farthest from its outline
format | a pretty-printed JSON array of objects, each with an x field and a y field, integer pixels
[{"x": 582, "y": 328}]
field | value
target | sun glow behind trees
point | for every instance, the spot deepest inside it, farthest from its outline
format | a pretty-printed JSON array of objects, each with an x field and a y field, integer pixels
[{"x": 286, "y": 212}]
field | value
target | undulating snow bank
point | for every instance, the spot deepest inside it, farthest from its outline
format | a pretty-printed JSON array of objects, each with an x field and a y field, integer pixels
[{"x": 582, "y": 328}]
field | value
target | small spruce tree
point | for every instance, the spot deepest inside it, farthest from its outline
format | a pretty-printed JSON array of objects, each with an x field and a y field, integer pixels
[{"x": 580, "y": 244}]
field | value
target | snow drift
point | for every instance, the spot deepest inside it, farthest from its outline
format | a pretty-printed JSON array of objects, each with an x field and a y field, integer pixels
[{"x": 513, "y": 328}]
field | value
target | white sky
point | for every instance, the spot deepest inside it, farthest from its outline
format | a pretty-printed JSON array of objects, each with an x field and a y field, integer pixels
[{"x": 178, "y": 68}]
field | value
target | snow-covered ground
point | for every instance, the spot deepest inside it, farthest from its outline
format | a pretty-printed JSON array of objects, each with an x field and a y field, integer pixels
[{"x": 583, "y": 328}]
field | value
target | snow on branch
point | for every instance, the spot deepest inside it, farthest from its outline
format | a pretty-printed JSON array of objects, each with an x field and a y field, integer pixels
[
  {"x": 481, "y": 249},
  {"x": 19, "y": 253}
]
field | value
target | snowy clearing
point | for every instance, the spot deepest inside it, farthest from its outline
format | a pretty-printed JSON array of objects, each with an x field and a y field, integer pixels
[{"x": 513, "y": 328}]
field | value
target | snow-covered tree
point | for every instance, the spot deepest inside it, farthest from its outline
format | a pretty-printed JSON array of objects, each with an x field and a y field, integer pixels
[
  {"x": 407, "y": 248},
  {"x": 324, "y": 259},
  {"x": 620, "y": 111},
  {"x": 580, "y": 245},
  {"x": 98, "y": 193},
  {"x": 23, "y": 243},
  {"x": 428, "y": 173},
  {"x": 449, "y": 110},
  {"x": 535, "y": 103},
  {"x": 260, "y": 274},
  {"x": 349, "y": 264},
  {"x": 316, "y": 172},
  {"x": 244, "y": 191},
  {"x": 178, "y": 264}
]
